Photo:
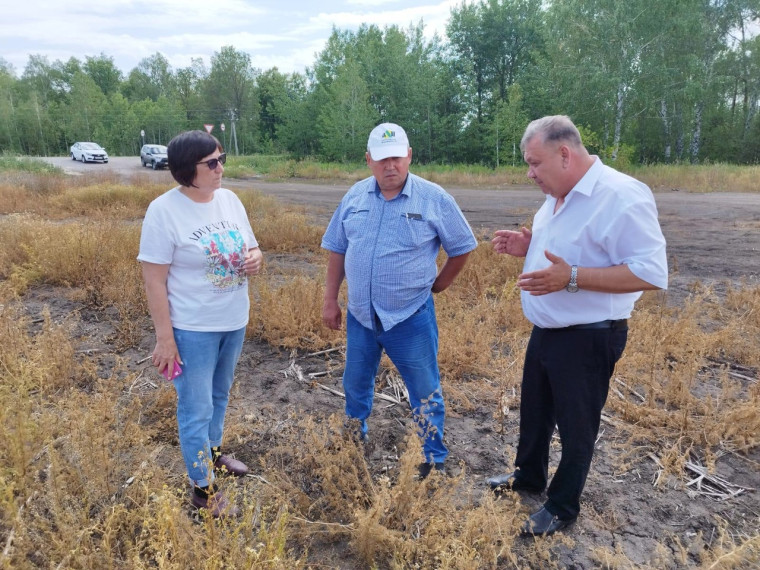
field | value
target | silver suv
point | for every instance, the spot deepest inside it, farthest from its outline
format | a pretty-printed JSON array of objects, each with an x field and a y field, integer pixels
[{"x": 155, "y": 155}]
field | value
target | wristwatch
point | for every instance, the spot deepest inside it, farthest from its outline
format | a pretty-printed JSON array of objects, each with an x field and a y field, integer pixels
[{"x": 572, "y": 287}]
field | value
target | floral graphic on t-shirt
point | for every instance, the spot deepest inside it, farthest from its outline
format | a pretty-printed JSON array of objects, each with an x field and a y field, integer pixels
[{"x": 225, "y": 253}]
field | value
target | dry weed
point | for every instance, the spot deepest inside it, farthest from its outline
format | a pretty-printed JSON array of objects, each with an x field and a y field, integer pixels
[
  {"x": 81, "y": 484},
  {"x": 290, "y": 314}
]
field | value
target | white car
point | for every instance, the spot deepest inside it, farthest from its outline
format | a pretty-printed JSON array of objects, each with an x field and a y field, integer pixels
[{"x": 88, "y": 152}]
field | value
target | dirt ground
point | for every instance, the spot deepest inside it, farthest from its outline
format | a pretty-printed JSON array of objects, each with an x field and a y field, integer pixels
[{"x": 712, "y": 238}]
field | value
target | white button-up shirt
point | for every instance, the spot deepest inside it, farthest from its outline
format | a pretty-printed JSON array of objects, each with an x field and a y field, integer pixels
[{"x": 607, "y": 219}]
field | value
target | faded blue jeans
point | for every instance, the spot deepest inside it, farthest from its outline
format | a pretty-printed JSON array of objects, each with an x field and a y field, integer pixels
[
  {"x": 203, "y": 390},
  {"x": 412, "y": 346}
]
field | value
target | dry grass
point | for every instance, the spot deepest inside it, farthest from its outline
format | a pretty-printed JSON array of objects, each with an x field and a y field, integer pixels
[
  {"x": 700, "y": 178},
  {"x": 81, "y": 484}
]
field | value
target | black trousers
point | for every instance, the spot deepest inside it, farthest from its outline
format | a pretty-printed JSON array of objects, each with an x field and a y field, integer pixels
[{"x": 566, "y": 378}]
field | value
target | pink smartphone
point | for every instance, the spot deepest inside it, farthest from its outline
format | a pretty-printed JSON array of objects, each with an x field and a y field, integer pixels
[{"x": 174, "y": 373}]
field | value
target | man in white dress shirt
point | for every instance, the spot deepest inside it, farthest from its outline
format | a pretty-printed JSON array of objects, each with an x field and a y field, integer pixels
[{"x": 594, "y": 246}]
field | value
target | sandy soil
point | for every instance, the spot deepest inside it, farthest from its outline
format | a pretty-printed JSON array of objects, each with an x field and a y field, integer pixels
[{"x": 712, "y": 238}]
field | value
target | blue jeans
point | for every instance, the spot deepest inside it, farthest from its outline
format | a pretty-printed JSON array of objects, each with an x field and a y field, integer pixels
[
  {"x": 412, "y": 346},
  {"x": 203, "y": 390}
]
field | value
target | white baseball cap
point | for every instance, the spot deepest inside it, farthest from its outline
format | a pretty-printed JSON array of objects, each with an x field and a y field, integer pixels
[{"x": 386, "y": 140}]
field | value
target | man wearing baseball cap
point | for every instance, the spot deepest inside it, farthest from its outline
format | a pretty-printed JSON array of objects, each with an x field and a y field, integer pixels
[{"x": 384, "y": 239}]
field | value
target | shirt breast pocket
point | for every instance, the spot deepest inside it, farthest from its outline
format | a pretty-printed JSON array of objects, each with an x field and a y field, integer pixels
[
  {"x": 355, "y": 223},
  {"x": 414, "y": 231}
]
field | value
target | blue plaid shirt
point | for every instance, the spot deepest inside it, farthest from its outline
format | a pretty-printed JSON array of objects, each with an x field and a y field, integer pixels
[{"x": 390, "y": 246}]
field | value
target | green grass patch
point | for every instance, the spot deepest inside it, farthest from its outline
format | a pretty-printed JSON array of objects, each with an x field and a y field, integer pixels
[
  {"x": 660, "y": 177},
  {"x": 26, "y": 164},
  {"x": 281, "y": 167}
]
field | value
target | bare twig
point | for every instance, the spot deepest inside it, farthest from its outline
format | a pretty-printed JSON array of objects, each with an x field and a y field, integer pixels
[
  {"x": 307, "y": 521},
  {"x": 296, "y": 372},
  {"x": 327, "y": 351},
  {"x": 387, "y": 398},
  {"x": 729, "y": 364},
  {"x": 706, "y": 484},
  {"x": 720, "y": 487},
  {"x": 398, "y": 386},
  {"x": 631, "y": 390},
  {"x": 259, "y": 477},
  {"x": 742, "y": 376},
  {"x": 609, "y": 420}
]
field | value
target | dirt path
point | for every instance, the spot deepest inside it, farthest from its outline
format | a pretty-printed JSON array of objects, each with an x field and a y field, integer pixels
[{"x": 712, "y": 238}]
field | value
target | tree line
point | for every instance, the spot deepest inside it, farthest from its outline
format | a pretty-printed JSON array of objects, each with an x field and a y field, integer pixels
[{"x": 647, "y": 82}]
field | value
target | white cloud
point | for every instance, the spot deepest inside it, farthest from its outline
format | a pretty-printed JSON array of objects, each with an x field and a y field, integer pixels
[{"x": 274, "y": 33}]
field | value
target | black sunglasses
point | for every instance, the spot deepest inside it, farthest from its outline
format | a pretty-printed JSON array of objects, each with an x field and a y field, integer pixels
[{"x": 213, "y": 162}]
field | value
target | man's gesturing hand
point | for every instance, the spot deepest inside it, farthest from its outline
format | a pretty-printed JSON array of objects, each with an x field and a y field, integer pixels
[
  {"x": 548, "y": 280},
  {"x": 512, "y": 243}
]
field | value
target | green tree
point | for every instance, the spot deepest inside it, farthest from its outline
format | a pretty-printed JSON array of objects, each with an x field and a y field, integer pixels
[
  {"x": 50, "y": 82},
  {"x": 187, "y": 81},
  {"x": 407, "y": 81},
  {"x": 85, "y": 110},
  {"x": 510, "y": 120},
  {"x": 104, "y": 73},
  {"x": 495, "y": 43},
  {"x": 10, "y": 138},
  {"x": 229, "y": 94},
  {"x": 272, "y": 92},
  {"x": 297, "y": 132},
  {"x": 151, "y": 79},
  {"x": 597, "y": 57},
  {"x": 346, "y": 120},
  {"x": 120, "y": 130}
]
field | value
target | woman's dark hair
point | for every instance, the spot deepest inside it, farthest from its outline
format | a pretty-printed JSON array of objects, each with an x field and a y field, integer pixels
[{"x": 185, "y": 150}]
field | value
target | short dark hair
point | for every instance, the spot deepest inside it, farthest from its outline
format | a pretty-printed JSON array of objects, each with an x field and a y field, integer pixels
[
  {"x": 555, "y": 128},
  {"x": 185, "y": 150}
]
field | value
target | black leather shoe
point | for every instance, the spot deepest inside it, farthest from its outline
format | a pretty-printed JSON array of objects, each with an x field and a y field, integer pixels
[
  {"x": 424, "y": 469},
  {"x": 543, "y": 523},
  {"x": 510, "y": 482}
]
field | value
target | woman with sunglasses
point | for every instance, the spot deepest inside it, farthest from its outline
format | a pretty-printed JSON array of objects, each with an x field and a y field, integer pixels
[{"x": 197, "y": 250}]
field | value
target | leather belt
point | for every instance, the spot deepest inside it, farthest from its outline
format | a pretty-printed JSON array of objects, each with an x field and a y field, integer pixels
[{"x": 619, "y": 324}]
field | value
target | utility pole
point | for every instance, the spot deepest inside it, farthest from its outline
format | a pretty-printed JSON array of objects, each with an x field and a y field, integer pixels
[
  {"x": 497, "y": 143},
  {"x": 233, "y": 132}
]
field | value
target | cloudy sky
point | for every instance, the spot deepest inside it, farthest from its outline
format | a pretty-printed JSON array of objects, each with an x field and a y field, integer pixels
[{"x": 282, "y": 33}]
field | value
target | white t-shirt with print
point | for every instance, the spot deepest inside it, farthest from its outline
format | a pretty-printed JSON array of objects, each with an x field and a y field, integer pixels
[{"x": 204, "y": 245}]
